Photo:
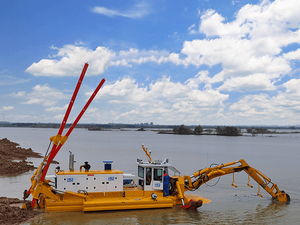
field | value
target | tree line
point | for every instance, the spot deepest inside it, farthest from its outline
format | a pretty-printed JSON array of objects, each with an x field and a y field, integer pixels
[{"x": 225, "y": 131}]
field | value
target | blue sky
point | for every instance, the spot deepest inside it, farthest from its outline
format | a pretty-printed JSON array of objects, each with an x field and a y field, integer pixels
[{"x": 207, "y": 62}]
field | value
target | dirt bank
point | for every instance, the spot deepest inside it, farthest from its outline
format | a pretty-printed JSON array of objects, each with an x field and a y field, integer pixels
[
  {"x": 11, "y": 213},
  {"x": 13, "y": 158},
  {"x": 13, "y": 163}
]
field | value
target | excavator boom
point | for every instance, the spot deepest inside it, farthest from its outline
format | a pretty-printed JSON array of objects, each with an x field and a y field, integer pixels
[{"x": 202, "y": 176}]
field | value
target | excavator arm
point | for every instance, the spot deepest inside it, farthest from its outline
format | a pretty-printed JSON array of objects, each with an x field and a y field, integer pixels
[{"x": 202, "y": 176}]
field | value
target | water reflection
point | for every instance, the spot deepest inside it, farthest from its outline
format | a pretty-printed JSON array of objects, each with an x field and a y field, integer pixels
[{"x": 269, "y": 214}]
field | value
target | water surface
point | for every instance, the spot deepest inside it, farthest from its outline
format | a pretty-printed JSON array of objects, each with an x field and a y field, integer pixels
[{"x": 276, "y": 156}]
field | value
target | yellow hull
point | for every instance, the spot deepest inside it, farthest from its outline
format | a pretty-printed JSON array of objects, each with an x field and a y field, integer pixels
[{"x": 130, "y": 198}]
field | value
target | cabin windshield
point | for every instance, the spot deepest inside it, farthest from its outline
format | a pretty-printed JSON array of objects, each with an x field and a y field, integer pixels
[{"x": 141, "y": 171}]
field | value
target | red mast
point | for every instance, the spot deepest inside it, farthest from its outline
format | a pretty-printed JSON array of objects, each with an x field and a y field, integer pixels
[
  {"x": 58, "y": 140},
  {"x": 64, "y": 138}
]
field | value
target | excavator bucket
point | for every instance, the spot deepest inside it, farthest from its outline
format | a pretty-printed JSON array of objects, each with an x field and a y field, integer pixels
[
  {"x": 282, "y": 197},
  {"x": 192, "y": 204}
]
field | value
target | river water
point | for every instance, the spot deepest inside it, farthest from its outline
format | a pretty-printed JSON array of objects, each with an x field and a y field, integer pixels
[{"x": 277, "y": 156}]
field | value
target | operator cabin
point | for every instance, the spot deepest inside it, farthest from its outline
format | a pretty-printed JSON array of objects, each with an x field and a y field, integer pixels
[{"x": 150, "y": 174}]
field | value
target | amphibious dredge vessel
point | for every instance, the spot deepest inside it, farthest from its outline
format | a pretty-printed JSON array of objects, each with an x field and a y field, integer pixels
[{"x": 111, "y": 189}]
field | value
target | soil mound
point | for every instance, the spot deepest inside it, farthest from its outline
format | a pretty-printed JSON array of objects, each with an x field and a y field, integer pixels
[
  {"x": 12, "y": 163},
  {"x": 13, "y": 158},
  {"x": 14, "y": 214}
]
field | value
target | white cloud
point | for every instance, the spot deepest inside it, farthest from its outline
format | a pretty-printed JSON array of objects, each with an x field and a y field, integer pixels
[
  {"x": 212, "y": 24},
  {"x": 126, "y": 58},
  {"x": 7, "y": 108},
  {"x": 92, "y": 110},
  {"x": 132, "y": 51},
  {"x": 251, "y": 44},
  {"x": 292, "y": 55},
  {"x": 174, "y": 36},
  {"x": 59, "y": 117},
  {"x": 192, "y": 30},
  {"x": 284, "y": 107},
  {"x": 57, "y": 109},
  {"x": 18, "y": 94},
  {"x": 10, "y": 80},
  {"x": 162, "y": 101},
  {"x": 248, "y": 83},
  {"x": 43, "y": 95},
  {"x": 69, "y": 61},
  {"x": 139, "y": 10},
  {"x": 234, "y": 2},
  {"x": 292, "y": 87}
]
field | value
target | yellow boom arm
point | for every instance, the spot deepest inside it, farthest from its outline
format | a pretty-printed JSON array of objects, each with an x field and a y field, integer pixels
[{"x": 202, "y": 176}]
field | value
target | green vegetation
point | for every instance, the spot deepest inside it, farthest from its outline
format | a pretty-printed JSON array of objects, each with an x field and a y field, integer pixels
[
  {"x": 198, "y": 129},
  {"x": 258, "y": 131},
  {"x": 228, "y": 131},
  {"x": 182, "y": 130},
  {"x": 186, "y": 130}
]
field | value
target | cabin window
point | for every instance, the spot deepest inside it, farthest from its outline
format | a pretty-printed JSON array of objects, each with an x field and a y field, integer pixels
[
  {"x": 158, "y": 174},
  {"x": 141, "y": 171},
  {"x": 166, "y": 170},
  {"x": 148, "y": 176}
]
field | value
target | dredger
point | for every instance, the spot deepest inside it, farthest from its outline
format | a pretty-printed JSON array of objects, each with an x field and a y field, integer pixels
[{"x": 158, "y": 184}]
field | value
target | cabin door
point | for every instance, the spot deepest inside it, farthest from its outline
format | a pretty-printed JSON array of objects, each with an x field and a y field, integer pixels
[{"x": 157, "y": 179}]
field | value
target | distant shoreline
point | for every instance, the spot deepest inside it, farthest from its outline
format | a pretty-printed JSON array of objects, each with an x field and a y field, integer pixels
[
  {"x": 205, "y": 132},
  {"x": 171, "y": 129},
  {"x": 138, "y": 126}
]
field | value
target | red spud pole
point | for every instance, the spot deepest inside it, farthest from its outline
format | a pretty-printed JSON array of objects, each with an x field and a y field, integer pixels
[
  {"x": 55, "y": 150},
  {"x": 63, "y": 124}
]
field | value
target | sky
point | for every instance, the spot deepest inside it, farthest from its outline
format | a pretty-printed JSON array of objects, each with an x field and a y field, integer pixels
[{"x": 207, "y": 62}]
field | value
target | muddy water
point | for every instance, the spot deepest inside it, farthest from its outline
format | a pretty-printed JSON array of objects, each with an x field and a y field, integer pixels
[{"x": 277, "y": 157}]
